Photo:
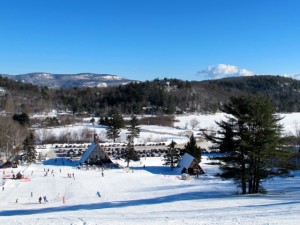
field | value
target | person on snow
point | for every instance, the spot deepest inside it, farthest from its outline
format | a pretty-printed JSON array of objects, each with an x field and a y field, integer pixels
[
  {"x": 45, "y": 199},
  {"x": 98, "y": 193},
  {"x": 40, "y": 199}
]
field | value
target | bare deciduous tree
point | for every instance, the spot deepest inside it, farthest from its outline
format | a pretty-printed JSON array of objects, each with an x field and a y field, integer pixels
[
  {"x": 12, "y": 134},
  {"x": 194, "y": 123},
  {"x": 297, "y": 133}
]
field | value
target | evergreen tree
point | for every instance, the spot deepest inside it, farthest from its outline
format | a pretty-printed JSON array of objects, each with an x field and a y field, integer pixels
[
  {"x": 106, "y": 121},
  {"x": 115, "y": 124},
  {"x": 134, "y": 129},
  {"x": 192, "y": 148},
  {"x": 172, "y": 157},
  {"x": 29, "y": 148},
  {"x": 130, "y": 153},
  {"x": 92, "y": 120},
  {"x": 251, "y": 143},
  {"x": 22, "y": 118},
  {"x": 101, "y": 121}
]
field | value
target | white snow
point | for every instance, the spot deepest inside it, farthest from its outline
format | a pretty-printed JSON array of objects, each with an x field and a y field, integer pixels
[{"x": 152, "y": 195}]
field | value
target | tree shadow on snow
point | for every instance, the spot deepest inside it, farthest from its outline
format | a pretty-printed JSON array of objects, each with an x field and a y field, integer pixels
[
  {"x": 188, "y": 196},
  {"x": 61, "y": 162},
  {"x": 163, "y": 170}
]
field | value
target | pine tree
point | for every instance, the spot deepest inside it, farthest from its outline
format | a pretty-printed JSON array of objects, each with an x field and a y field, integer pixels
[
  {"x": 115, "y": 124},
  {"x": 130, "y": 153},
  {"x": 251, "y": 142},
  {"x": 134, "y": 129},
  {"x": 29, "y": 148},
  {"x": 92, "y": 120},
  {"x": 172, "y": 157},
  {"x": 192, "y": 148},
  {"x": 22, "y": 118}
]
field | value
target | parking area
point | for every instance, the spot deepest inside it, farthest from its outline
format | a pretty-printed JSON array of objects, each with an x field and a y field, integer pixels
[{"x": 114, "y": 150}]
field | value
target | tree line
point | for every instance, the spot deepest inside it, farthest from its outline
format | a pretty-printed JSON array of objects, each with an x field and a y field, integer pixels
[{"x": 157, "y": 97}]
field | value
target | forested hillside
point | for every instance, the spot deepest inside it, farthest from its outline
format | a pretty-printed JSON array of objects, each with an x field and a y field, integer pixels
[
  {"x": 17, "y": 97},
  {"x": 165, "y": 96}
]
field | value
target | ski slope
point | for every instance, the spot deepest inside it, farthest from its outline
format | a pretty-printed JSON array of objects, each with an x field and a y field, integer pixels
[{"x": 151, "y": 195}]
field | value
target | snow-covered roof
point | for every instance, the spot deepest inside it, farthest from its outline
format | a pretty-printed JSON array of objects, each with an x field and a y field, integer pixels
[
  {"x": 185, "y": 161},
  {"x": 87, "y": 153}
]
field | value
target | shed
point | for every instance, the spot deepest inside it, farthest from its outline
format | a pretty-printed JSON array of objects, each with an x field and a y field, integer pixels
[{"x": 189, "y": 165}]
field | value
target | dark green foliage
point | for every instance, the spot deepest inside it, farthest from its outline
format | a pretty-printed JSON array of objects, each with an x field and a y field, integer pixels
[
  {"x": 133, "y": 132},
  {"x": 103, "y": 121},
  {"x": 172, "y": 157},
  {"x": 251, "y": 143},
  {"x": 282, "y": 91},
  {"x": 192, "y": 148},
  {"x": 155, "y": 97},
  {"x": 22, "y": 118},
  {"x": 130, "y": 154},
  {"x": 115, "y": 124},
  {"x": 29, "y": 149},
  {"x": 134, "y": 129},
  {"x": 160, "y": 120},
  {"x": 158, "y": 96}
]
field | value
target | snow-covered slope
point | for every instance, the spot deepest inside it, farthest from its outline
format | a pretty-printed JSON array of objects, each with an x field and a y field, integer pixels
[{"x": 151, "y": 195}]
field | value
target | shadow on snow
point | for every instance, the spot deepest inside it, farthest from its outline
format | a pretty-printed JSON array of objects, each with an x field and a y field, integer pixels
[
  {"x": 104, "y": 205},
  {"x": 61, "y": 162}
]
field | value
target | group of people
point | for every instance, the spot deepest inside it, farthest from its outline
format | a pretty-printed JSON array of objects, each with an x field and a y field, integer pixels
[
  {"x": 70, "y": 175},
  {"x": 45, "y": 199}
]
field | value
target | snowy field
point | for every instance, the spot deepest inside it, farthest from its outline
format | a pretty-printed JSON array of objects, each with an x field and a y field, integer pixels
[
  {"x": 179, "y": 133},
  {"x": 152, "y": 195}
]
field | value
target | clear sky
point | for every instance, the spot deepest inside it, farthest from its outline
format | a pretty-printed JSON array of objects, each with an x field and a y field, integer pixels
[{"x": 148, "y": 39}]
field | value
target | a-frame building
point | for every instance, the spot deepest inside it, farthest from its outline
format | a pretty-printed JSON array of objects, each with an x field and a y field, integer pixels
[
  {"x": 95, "y": 155},
  {"x": 188, "y": 164}
]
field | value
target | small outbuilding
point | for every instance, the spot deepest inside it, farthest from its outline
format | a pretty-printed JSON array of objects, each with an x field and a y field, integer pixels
[{"x": 189, "y": 165}]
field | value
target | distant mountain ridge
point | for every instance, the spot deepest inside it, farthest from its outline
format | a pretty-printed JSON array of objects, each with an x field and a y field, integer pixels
[{"x": 69, "y": 80}]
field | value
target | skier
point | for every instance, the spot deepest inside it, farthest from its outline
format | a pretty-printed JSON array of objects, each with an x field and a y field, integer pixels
[
  {"x": 98, "y": 193},
  {"x": 45, "y": 199},
  {"x": 40, "y": 199}
]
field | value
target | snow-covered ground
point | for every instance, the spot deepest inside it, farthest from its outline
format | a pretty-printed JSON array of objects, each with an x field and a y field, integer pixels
[
  {"x": 152, "y": 195},
  {"x": 149, "y": 133}
]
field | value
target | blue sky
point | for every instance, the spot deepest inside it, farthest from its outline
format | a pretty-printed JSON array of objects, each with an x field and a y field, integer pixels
[{"x": 148, "y": 39}]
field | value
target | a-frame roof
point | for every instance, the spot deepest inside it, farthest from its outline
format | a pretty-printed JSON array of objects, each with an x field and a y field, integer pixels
[
  {"x": 95, "y": 154},
  {"x": 188, "y": 162}
]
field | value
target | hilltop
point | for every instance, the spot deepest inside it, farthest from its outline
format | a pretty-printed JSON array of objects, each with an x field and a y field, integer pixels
[{"x": 57, "y": 81}]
